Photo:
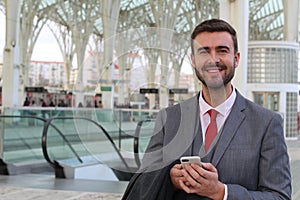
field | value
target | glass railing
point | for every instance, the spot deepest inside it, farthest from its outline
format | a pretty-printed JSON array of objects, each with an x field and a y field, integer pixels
[
  {"x": 77, "y": 141},
  {"x": 75, "y": 136},
  {"x": 80, "y": 141},
  {"x": 143, "y": 133},
  {"x": 21, "y": 138}
]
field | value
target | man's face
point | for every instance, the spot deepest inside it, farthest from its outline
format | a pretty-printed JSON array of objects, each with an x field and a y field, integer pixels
[{"x": 214, "y": 60}]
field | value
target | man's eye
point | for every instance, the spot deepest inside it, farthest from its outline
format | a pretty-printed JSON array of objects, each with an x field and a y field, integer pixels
[
  {"x": 202, "y": 52},
  {"x": 223, "y": 51}
]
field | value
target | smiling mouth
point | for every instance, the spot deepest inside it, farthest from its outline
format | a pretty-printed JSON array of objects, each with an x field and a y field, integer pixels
[{"x": 213, "y": 70}]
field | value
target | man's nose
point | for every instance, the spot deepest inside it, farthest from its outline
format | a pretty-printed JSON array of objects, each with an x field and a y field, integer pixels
[{"x": 214, "y": 57}]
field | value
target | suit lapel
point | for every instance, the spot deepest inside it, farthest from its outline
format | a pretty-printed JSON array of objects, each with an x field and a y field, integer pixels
[
  {"x": 190, "y": 125},
  {"x": 234, "y": 120},
  {"x": 182, "y": 137}
]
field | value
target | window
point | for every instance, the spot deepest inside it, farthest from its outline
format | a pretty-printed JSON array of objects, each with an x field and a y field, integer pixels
[{"x": 269, "y": 100}]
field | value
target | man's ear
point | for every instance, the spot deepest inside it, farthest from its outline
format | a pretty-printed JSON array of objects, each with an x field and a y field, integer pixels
[
  {"x": 237, "y": 59},
  {"x": 193, "y": 60}
]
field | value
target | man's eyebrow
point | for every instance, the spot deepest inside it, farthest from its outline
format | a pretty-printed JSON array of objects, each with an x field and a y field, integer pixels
[
  {"x": 202, "y": 48},
  {"x": 223, "y": 47},
  {"x": 208, "y": 48}
]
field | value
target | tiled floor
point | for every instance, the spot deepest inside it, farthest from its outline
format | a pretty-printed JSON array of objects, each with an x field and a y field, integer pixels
[
  {"x": 40, "y": 187},
  {"x": 43, "y": 187},
  {"x": 18, "y": 193}
]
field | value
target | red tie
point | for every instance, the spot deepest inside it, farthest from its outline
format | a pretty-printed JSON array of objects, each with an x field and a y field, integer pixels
[{"x": 211, "y": 130}]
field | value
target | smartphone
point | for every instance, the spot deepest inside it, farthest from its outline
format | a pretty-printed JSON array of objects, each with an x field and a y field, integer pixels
[{"x": 190, "y": 159}]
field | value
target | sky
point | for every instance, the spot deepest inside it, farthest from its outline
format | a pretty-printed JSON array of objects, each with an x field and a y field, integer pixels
[{"x": 46, "y": 48}]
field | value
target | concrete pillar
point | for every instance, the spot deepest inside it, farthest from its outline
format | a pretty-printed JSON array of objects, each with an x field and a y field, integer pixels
[
  {"x": 291, "y": 18},
  {"x": 11, "y": 59},
  {"x": 236, "y": 12},
  {"x": 291, "y": 31},
  {"x": 110, "y": 13},
  {"x": 11, "y": 63}
]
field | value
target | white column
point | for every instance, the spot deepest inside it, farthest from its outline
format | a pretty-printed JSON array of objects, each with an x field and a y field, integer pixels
[
  {"x": 236, "y": 12},
  {"x": 110, "y": 13},
  {"x": 11, "y": 58},
  {"x": 291, "y": 18}
]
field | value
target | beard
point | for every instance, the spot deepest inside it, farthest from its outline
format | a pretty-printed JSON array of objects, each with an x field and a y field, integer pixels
[{"x": 216, "y": 84}]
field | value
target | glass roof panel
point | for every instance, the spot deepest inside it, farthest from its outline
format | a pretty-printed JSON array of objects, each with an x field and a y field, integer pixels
[
  {"x": 266, "y": 16},
  {"x": 266, "y": 20}
]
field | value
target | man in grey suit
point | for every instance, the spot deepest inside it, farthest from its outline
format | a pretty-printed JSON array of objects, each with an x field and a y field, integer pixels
[{"x": 247, "y": 158}]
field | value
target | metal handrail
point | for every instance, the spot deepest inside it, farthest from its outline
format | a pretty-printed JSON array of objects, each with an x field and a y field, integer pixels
[
  {"x": 136, "y": 142},
  {"x": 44, "y": 143},
  {"x": 54, "y": 163},
  {"x": 48, "y": 123},
  {"x": 19, "y": 116},
  {"x": 23, "y": 116}
]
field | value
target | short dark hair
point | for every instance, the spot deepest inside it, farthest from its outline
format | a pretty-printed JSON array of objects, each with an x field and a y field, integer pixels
[{"x": 214, "y": 25}]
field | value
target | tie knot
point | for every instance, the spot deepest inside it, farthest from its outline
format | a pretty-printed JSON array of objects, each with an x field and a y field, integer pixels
[{"x": 213, "y": 114}]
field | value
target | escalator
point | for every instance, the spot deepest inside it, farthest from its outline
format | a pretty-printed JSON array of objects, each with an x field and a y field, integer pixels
[
  {"x": 72, "y": 147},
  {"x": 73, "y": 143},
  {"x": 21, "y": 145},
  {"x": 142, "y": 136}
]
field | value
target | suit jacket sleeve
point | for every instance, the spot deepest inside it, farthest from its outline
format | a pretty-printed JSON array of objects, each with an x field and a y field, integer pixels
[
  {"x": 152, "y": 185},
  {"x": 152, "y": 182},
  {"x": 274, "y": 171}
]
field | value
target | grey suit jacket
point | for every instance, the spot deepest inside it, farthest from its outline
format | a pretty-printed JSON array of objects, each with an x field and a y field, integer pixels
[{"x": 250, "y": 154}]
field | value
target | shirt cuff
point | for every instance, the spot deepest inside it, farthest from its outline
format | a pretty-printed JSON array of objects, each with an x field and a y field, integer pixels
[{"x": 226, "y": 192}]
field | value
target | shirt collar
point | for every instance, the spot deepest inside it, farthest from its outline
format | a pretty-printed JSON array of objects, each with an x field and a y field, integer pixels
[{"x": 222, "y": 109}]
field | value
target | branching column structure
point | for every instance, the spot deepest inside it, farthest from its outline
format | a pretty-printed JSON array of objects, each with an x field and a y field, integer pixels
[
  {"x": 291, "y": 18},
  {"x": 110, "y": 14},
  {"x": 194, "y": 13},
  {"x": 96, "y": 47},
  {"x": 181, "y": 44},
  {"x": 237, "y": 13},
  {"x": 79, "y": 18},
  {"x": 63, "y": 36},
  {"x": 32, "y": 20},
  {"x": 152, "y": 56},
  {"x": 85, "y": 15},
  {"x": 123, "y": 47},
  {"x": 76, "y": 16},
  {"x": 11, "y": 55},
  {"x": 124, "y": 44},
  {"x": 165, "y": 14}
]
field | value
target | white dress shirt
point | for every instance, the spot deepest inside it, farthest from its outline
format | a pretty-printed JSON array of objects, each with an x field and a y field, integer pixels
[{"x": 223, "y": 112}]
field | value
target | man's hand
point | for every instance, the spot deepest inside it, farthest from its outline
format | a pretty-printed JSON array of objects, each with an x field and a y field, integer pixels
[
  {"x": 202, "y": 180},
  {"x": 176, "y": 174}
]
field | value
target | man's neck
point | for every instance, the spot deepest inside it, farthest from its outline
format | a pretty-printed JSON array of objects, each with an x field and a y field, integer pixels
[{"x": 216, "y": 96}]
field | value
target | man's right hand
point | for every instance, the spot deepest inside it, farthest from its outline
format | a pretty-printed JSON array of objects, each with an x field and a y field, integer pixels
[{"x": 177, "y": 176}]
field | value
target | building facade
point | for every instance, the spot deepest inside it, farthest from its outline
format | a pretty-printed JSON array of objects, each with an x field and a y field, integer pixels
[{"x": 273, "y": 79}]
